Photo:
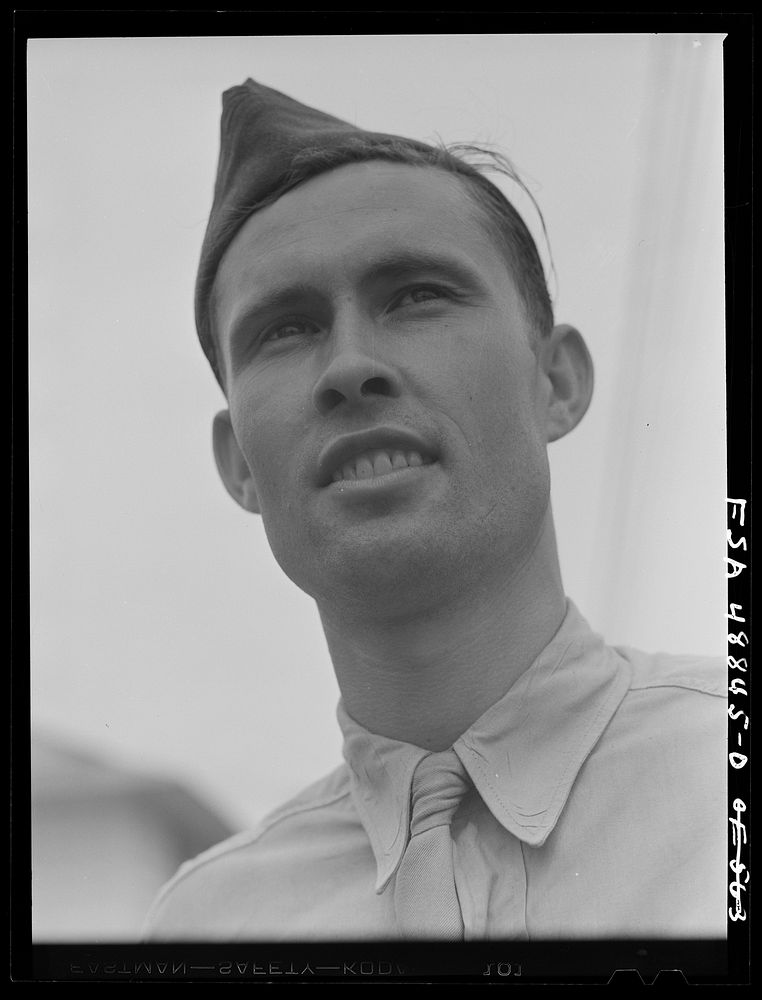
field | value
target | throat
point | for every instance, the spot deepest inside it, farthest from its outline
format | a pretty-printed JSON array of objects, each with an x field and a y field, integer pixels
[{"x": 427, "y": 681}]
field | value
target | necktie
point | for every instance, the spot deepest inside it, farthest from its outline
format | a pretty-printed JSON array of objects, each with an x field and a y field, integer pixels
[{"x": 425, "y": 897}]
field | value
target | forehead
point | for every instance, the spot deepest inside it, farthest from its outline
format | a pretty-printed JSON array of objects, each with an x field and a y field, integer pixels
[{"x": 338, "y": 221}]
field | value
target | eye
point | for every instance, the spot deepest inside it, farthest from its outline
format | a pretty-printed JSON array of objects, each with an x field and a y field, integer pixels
[
  {"x": 290, "y": 328},
  {"x": 421, "y": 293}
]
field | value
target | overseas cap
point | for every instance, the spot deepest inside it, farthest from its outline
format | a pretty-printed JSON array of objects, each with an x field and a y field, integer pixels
[{"x": 261, "y": 132}]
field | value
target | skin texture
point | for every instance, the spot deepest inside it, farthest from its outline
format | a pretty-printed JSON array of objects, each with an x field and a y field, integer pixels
[{"x": 373, "y": 297}]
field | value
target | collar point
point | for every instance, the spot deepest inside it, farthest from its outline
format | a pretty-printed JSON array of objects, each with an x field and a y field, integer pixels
[
  {"x": 534, "y": 837},
  {"x": 382, "y": 882}
]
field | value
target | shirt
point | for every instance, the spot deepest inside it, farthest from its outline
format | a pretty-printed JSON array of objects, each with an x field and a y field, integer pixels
[{"x": 598, "y": 810}]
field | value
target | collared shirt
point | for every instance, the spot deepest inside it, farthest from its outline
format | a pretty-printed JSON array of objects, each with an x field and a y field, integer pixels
[{"x": 597, "y": 810}]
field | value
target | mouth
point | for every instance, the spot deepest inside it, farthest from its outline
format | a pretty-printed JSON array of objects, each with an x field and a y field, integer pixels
[{"x": 372, "y": 455}]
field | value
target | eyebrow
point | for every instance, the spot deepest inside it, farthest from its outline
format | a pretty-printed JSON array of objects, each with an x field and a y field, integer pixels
[
  {"x": 403, "y": 263},
  {"x": 399, "y": 264}
]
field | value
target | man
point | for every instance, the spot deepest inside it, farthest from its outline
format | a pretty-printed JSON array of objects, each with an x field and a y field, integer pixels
[{"x": 377, "y": 316}]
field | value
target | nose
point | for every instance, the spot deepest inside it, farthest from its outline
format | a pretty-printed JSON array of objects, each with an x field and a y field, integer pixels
[{"x": 354, "y": 375}]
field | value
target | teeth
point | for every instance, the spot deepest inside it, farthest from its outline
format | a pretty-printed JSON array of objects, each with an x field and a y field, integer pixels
[
  {"x": 378, "y": 463},
  {"x": 381, "y": 463},
  {"x": 364, "y": 467}
]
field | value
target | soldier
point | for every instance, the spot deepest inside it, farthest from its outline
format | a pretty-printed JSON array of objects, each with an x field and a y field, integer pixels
[{"x": 376, "y": 313}]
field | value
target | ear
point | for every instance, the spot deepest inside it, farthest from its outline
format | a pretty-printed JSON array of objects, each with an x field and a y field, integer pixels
[
  {"x": 231, "y": 464},
  {"x": 568, "y": 366}
]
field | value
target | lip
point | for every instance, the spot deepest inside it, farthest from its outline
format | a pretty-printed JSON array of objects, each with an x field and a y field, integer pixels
[{"x": 349, "y": 446}]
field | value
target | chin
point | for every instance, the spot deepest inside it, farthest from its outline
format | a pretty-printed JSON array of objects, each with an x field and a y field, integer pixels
[{"x": 388, "y": 573}]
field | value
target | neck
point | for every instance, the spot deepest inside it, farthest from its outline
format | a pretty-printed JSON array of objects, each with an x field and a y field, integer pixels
[{"x": 425, "y": 676}]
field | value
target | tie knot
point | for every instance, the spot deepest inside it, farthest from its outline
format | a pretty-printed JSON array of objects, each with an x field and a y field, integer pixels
[{"x": 439, "y": 783}]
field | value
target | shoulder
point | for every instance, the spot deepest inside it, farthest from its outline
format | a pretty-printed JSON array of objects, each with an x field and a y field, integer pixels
[
  {"x": 652, "y": 796},
  {"x": 655, "y": 672},
  {"x": 672, "y": 720},
  {"x": 208, "y": 890},
  {"x": 667, "y": 745}
]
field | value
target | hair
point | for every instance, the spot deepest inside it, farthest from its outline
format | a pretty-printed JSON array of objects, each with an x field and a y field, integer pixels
[{"x": 467, "y": 162}]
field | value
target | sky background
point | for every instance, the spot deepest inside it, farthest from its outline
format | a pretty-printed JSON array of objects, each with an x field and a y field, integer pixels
[{"x": 163, "y": 634}]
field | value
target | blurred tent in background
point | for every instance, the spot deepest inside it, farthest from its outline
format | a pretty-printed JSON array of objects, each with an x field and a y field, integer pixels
[{"x": 104, "y": 840}]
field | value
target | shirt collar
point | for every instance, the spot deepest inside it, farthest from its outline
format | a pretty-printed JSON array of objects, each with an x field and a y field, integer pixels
[{"x": 523, "y": 754}]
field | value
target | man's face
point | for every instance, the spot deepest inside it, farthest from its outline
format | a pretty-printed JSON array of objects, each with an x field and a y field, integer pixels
[{"x": 382, "y": 386}]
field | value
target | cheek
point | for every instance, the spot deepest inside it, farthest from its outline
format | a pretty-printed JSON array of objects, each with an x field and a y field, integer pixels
[
  {"x": 501, "y": 391},
  {"x": 268, "y": 428},
  {"x": 259, "y": 450}
]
